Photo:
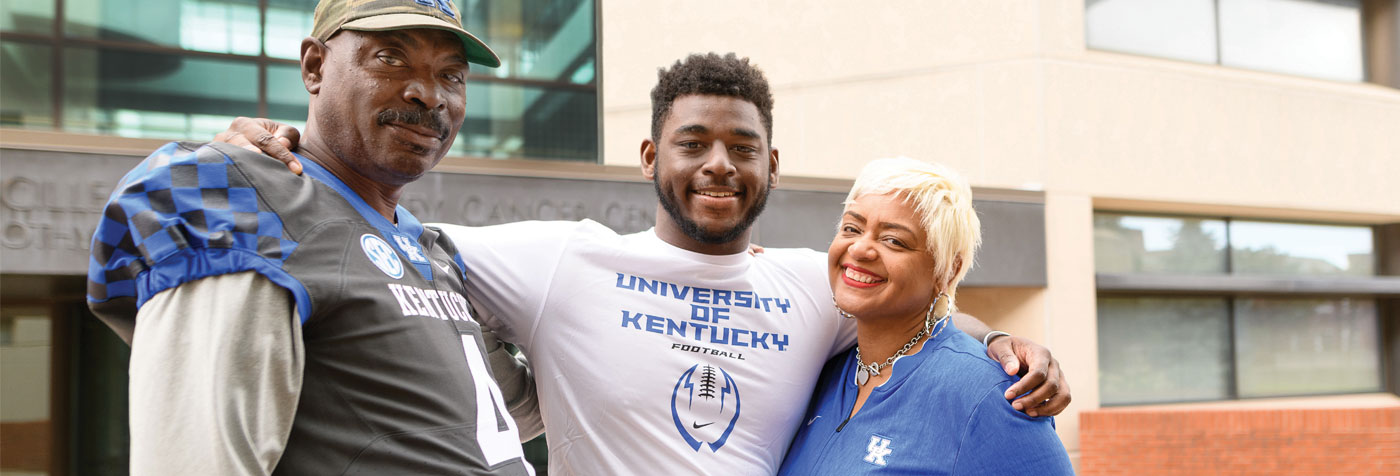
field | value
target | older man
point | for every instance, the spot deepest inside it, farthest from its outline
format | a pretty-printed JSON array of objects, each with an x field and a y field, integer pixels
[{"x": 308, "y": 324}]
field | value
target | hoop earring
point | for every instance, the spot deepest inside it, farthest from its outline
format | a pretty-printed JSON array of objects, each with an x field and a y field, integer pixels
[
  {"x": 929, "y": 321},
  {"x": 839, "y": 311}
]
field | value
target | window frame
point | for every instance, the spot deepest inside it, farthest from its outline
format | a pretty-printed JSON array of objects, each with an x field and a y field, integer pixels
[{"x": 1381, "y": 288}]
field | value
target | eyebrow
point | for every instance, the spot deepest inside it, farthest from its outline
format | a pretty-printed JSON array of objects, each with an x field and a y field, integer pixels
[
  {"x": 406, "y": 40},
  {"x": 749, "y": 133},
  {"x": 699, "y": 129},
  {"x": 692, "y": 129},
  {"x": 887, "y": 224}
]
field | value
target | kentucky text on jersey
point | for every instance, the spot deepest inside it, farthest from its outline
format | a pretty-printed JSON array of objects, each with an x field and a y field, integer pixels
[
  {"x": 703, "y": 332},
  {"x": 724, "y": 297},
  {"x": 437, "y": 304}
]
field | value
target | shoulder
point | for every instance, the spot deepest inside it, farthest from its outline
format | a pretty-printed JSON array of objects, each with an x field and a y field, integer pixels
[
  {"x": 800, "y": 263},
  {"x": 960, "y": 354},
  {"x": 523, "y": 231},
  {"x": 185, "y": 199}
]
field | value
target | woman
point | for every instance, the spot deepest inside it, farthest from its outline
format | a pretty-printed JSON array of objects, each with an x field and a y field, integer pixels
[{"x": 913, "y": 397}]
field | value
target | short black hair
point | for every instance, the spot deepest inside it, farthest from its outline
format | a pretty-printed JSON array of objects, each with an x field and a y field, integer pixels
[{"x": 710, "y": 73}]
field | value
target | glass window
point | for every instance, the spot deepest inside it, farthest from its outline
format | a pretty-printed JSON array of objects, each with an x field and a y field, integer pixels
[
  {"x": 1163, "y": 349},
  {"x": 1142, "y": 244},
  {"x": 508, "y": 120},
  {"x": 537, "y": 39},
  {"x": 26, "y": 83},
  {"x": 1318, "y": 38},
  {"x": 129, "y": 71},
  {"x": 288, "y": 22},
  {"x": 27, "y": 16},
  {"x": 1178, "y": 29},
  {"x": 286, "y": 95},
  {"x": 1314, "y": 38},
  {"x": 1306, "y": 346},
  {"x": 25, "y": 346},
  {"x": 138, "y": 94},
  {"x": 227, "y": 26},
  {"x": 1300, "y": 249}
]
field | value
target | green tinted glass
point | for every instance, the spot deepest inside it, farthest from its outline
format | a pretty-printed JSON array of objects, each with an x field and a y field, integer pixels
[
  {"x": 139, "y": 94},
  {"x": 27, "y": 16},
  {"x": 1301, "y": 249},
  {"x": 1163, "y": 349},
  {"x": 227, "y": 26},
  {"x": 1307, "y": 346},
  {"x": 1146, "y": 244},
  {"x": 26, "y": 83},
  {"x": 512, "y": 121}
]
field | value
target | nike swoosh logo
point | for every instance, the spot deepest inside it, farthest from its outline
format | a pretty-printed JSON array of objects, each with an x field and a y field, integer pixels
[
  {"x": 814, "y": 420},
  {"x": 445, "y": 268},
  {"x": 699, "y": 426}
]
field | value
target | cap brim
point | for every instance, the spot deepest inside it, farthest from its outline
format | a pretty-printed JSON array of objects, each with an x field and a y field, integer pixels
[{"x": 477, "y": 51}]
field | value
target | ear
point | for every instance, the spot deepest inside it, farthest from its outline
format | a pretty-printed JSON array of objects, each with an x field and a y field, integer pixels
[
  {"x": 773, "y": 168},
  {"x": 648, "y": 159},
  {"x": 313, "y": 59}
]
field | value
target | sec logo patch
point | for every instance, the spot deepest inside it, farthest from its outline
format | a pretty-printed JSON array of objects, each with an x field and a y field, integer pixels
[{"x": 382, "y": 255}]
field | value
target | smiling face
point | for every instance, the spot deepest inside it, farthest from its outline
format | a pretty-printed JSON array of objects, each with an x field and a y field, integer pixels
[
  {"x": 878, "y": 263},
  {"x": 387, "y": 104},
  {"x": 712, "y": 167}
]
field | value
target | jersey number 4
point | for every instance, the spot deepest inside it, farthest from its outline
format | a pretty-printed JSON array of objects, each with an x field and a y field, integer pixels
[{"x": 497, "y": 445}]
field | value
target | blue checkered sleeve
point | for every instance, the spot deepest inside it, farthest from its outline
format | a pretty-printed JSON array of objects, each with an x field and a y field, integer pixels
[{"x": 185, "y": 213}]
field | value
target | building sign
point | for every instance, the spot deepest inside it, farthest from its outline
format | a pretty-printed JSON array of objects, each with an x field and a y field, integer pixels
[{"x": 51, "y": 202}]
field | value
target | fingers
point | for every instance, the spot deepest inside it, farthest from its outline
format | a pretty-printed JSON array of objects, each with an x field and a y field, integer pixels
[
  {"x": 277, "y": 147},
  {"x": 290, "y": 134},
  {"x": 265, "y": 137},
  {"x": 755, "y": 249},
  {"x": 1000, "y": 350},
  {"x": 1057, "y": 403}
]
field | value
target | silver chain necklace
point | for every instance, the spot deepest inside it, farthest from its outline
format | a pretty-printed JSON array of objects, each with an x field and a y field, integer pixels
[{"x": 864, "y": 371}]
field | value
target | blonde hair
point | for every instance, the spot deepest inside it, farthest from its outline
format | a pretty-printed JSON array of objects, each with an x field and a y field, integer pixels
[{"x": 943, "y": 200}]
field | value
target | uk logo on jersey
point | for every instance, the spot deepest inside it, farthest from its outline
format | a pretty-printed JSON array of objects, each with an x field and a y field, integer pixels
[
  {"x": 878, "y": 449},
  {"x": 415, "y": 254},
  {"x": 705, "y": 406},
  {"x": 382, "y": 255}
]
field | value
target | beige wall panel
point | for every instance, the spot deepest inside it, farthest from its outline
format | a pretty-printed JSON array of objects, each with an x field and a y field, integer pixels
[
  {"x": 1061, "y": 26},
  {"x": 623, "y": 132},
  {"x": 1020, "y": 311},
  {"x": 1220, "y": 136},
  {"x": 983, "y": 121},
  {"x": 1072, "y": 326},
  {"x": 832, "y": 131},
  {"x": 800, "y": 42}
]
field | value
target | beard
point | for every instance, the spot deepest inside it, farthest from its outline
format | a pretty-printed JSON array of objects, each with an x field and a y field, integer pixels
[{"x": 693, "y": 229}]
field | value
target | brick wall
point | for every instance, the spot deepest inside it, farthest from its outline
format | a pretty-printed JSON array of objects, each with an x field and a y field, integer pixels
[{"x": 1359, "y": 441}]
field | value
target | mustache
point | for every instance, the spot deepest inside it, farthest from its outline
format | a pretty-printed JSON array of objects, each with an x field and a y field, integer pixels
[{"x": 415, "y": 117}]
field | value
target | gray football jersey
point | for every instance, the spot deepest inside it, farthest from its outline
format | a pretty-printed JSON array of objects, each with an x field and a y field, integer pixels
[{"x": 395, "y": 379}]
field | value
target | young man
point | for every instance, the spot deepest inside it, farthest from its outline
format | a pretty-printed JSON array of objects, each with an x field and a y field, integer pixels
[
  {"x": 309, "y": 325},
  {"x": 674, "y": 351}
]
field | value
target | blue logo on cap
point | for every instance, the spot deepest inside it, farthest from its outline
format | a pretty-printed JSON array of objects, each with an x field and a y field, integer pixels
[{"x": 444, "y": 5}]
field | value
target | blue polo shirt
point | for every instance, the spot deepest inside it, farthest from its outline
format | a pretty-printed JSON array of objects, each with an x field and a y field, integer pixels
[{"x": 942, "y": 412}]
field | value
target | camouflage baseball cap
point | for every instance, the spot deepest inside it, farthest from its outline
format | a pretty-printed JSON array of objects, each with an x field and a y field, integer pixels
[{"x": 382, "y": 15}]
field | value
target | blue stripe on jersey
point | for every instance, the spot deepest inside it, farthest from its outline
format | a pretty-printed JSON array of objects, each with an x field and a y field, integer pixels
[
  {"x": 183, "y": 215},
  {"x": 409, "y": 227}
]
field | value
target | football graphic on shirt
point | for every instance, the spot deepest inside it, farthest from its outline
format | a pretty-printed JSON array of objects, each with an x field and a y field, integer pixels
[{"x": 705, "y": 406}]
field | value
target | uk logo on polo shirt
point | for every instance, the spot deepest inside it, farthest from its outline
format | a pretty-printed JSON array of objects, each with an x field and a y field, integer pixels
[{"x": 382, "y": 255}]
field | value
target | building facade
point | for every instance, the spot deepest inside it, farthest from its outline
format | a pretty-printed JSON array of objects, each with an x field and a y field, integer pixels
[{"x": 1190, "y": 202}]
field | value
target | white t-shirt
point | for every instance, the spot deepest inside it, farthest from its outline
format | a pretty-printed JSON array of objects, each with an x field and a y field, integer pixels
[{"x": 651, "y": 359}]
